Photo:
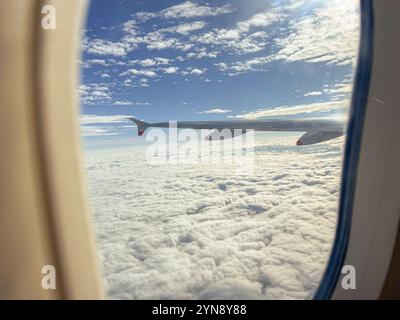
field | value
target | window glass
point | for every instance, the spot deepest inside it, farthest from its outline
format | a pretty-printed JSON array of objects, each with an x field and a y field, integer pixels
[{"x": 181, "y": 217}]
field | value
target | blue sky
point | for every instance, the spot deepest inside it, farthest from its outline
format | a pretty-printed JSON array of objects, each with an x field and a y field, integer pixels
[{"x": 198, "y": 60}]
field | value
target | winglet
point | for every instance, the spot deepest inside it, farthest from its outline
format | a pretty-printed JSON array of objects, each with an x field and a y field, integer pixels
[{"x": 141, "y": 125}]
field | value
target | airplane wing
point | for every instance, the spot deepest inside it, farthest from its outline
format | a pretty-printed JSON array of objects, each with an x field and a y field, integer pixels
[{"x": 315, "y": 130}]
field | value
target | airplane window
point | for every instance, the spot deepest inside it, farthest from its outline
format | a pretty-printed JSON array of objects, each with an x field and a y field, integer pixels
[{"x": 214, "y": 136}]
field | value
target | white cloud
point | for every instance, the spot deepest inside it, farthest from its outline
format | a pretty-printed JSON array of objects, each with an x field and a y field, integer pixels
[
  {"x": 190, "y": 9},
  {"x": 329, "y": 34},
  {"x": 226, "y": 236},
  {"x": 122, "y": 103},
  {"x": 93, "y": 131},
  {"x": 148, "y": 62},
  {"x": 202, "y": 52},
  {"x": 100, "y": 62},
  {"x": 108, "y": 48},
  {"x": 151, "y": 62},
  {"x": 185, "y": 28},
  {"x": 130, "y": 103},
  {"x": 157, "y": 40},
  {"x": 241, "y": 39},
  {"x": 231, "y": 40},
  {"x": 170, "y": 70},
  {"x": 197, "y": 71},
  {"x": 184, "y": 10},
  {"x": 216, "y": 110},
  {"x": 144, "y": 16},
  {"x": 222, "y": 66},
  {"x": 94, "y": 93},
  {"x": 340, "y": 88},
  {"x": 262, "y": 19},
  {"x": 313, "y": 93},
  {"x": 88, "y": 119},
  {"x": 250, "y": 65},
  {"x": 302, "y": 109},
  {"x": 136, "y": 72}
]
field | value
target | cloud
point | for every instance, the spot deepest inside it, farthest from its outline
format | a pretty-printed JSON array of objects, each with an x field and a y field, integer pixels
[
  {"x": 216, "y": 110},
  {"x": 151, "y": 62},
  {"x": 136, "y": 72},
  {"x": 302, "y": 109},
  {"x": 108, "y": 48},
  {"x": 330, "y": 35},
  {"x": 94, "y": 131},
  {"x": 202, "y": 52},
  {"x": 89, "y": 119},
  {"x": 185, "y": 28},
  {"x": 148, "y": 62},
  {"x": 130, "y": 103},
  {"x": 262, "y": 19},
  {"x": 157, "y": 40},
  {"x": 207, "y": 232},
  {"x": 160, "y": 39},
  {"x": 92, "y": 125},
  {"x": 94, "y": 93},
  {"x": 170, "y": 70},
  {"x": 250, "y": 65},
  {"x": 197, "y": 71},
  {"x": 184, "y": 10},
  {"x": 313, "y": 93},
  {"x": 241, "y": 39},
  {"x": 343, "y": 88},
  {"x": 99, "y": 62},
  {"x": 188, "y": 9},
  {"x": 122, "y": 103}
]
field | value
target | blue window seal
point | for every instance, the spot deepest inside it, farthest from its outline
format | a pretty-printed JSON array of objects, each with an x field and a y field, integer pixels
[{"x": 352, "y": 152}]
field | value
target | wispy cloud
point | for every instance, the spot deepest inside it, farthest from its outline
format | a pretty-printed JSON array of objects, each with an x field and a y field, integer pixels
[
  {"x": 136, "y": 72},
  {"x": 104, "y": 47},
  {"x": 186, "y": 10},
  {"x": 170, "y": 70},
  {"x": 94, "y": 131},
  {"x": 313, "y": 93},
  {"x": 241, "y": 39},
  {"x": 329, "y": 34},
  {"x": 89, "y": 119},
  {"x": 302, "y": 109},
  {"x": 130, "y": 103},
  {"x": 94, "y": 93},
  {"x": 215, "y": 111},
  {"x": 197, "y": 71}
]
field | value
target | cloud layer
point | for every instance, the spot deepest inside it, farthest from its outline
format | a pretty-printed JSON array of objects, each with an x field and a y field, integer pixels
[{"x": 210, "y": 232}]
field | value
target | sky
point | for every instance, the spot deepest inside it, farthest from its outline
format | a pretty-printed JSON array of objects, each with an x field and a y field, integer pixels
[{"x": 198, "y": 60}]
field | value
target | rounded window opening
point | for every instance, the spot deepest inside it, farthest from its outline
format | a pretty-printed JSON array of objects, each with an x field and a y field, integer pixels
[{"x": 214, "y": 135}]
